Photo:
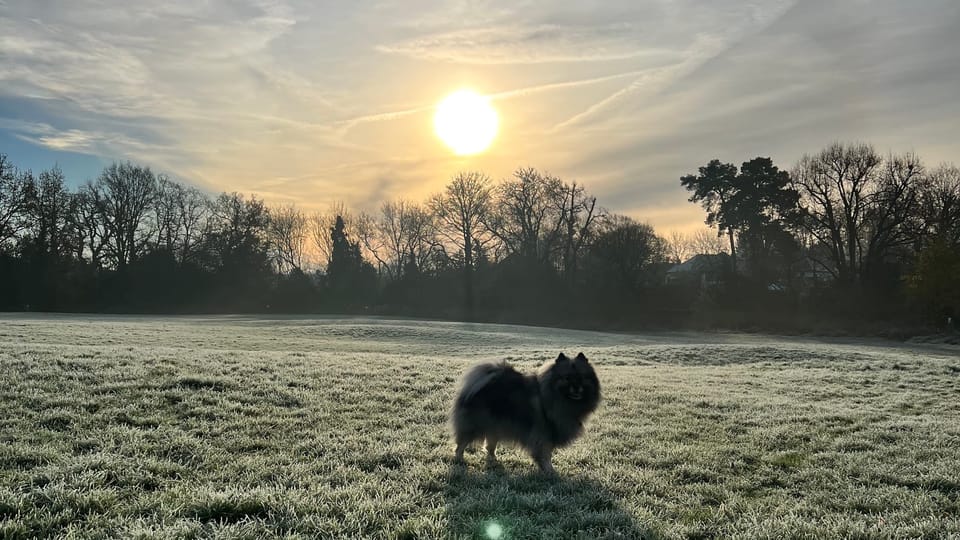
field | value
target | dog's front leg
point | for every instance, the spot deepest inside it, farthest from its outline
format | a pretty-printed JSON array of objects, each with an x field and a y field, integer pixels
[{"x": 543, "y": 457}]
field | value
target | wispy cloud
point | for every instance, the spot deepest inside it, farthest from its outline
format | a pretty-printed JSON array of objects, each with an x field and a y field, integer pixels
[
  {"x": 706, "y": 47},
  {"x": 517, "y": 44},
  {"x": 73, "y": 140},
  {"x": 651, "y": 80},
  {"x": 320, "y": 101},
  {"x": 346, "y": 125}
]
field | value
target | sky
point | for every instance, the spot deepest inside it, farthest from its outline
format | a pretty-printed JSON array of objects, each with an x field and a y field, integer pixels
[{"x": 315, "y": 102}]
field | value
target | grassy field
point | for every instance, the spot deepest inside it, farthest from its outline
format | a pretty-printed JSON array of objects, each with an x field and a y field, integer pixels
[{"x": 241, "y": 427}]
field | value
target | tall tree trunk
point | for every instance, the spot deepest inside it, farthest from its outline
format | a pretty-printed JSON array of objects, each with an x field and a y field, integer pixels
[
  {"x": 733, "y": 251},
  {"x": 468, "y": 275}
]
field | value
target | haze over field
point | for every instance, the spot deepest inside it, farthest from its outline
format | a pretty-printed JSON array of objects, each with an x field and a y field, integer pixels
[{"x": 319, "y": 102}]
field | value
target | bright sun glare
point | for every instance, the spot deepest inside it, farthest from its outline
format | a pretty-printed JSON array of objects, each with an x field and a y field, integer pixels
[{"x": 466, "y": 122}]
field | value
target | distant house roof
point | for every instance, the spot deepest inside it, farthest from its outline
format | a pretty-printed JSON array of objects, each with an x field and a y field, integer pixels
[{"x": 700, "y": 263}]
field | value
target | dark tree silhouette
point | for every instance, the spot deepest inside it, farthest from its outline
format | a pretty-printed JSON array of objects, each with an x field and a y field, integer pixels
[
  {"x": 623, "y": 255},
  {"x": 402, "y": 238},
  {"x": 706, "y": 241},
  {"x": 47, "y": 240},
  {"x": 461, "y": 210},
  {"x": 48, "y": 209},
  {"x": 421, "y": 246},
  {"x": 578, "y": 215},
  {"x": 319, "y": 224},
  {"x": 858, "y": 206},
  {"x": 834, "y": 185},
  {"x": 125, "y": 193},
  {"x": 90, "y": 225},
  {"x": 763, "y": 207},
  {"x": 934, "y": 283},
  {"x": 235, "y": 250},
  {"x": 713, "y": 188},
  {"x": 679, "y": 247},
  {"x": 523, "y": 250},
  {"x": 13, "y": 199},
  {"x": 939, "y": 206},
  {"x": 892, "y": 217},
  {"x": 350, "y": 279},
  {"x": 236, "y": 232},
  {"x": 526, "y": 216},
  {"x": 179, "y": 215},
  {"x": 287, "y": 234}
]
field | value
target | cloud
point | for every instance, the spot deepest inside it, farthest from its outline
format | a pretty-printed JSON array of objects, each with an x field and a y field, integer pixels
[
  {"x": 816, "y": 75},
  {"x": 346, "y": 125},
  {"x": 651, "y": 80},
  {"x": 706, "y": 46},
  {"x": 517, "y": 44},
  {"x": 313, "y": 102},
  {"x": 72, "y": 140}
]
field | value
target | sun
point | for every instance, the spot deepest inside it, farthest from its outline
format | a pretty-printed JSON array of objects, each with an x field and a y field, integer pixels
[{"x": 466, "y": 122}]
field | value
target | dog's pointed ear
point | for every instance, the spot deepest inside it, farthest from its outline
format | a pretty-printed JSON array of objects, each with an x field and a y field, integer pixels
[
  {"x": 582, "y": 358},
  {"x": 562, "y": 358}
]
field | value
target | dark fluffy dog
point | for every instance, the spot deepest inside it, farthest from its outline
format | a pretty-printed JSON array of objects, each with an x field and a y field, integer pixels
[{"x": 540, "y": 412}]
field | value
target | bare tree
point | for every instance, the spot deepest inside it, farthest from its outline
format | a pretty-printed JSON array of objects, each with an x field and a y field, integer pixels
[
  {"x": 393, "y": 228},
  {"x": 421, "y": 246},
  {"x": 236, "y": 234},
  {"x": 12, "y": 200},
  {"x": 194, "y": 210},
  {"x": 374, "y": 243},
  {"x": 678, "y": 246},
  {"x": 319, "y": 226},
  {"x": 90, "y": 225},
  {"x": 396, "y": 239},
  {"x": 287, "y": 233},
  {"x": 706, "y": 241},
  {"x": 623, "y": 254},
  {"x": 461, "y": 210},
  {"x": 403, "y": 239},
  {"x": 166, "y": 209},
  {"x": 891, "y": 210},
  {"x": 859, "y": 207},
  {"x": 939, "y": 206},
  {"x": 48, "y": 209},
  {"x": 526, "y": 217},
  {"x": 578, "y": 214},
  {"x": 126, "y": 193},
  {"x": 835, "y": 187}
]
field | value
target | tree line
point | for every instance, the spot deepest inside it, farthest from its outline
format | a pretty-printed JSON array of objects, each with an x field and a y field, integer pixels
[{"x": 883, "y": 232}]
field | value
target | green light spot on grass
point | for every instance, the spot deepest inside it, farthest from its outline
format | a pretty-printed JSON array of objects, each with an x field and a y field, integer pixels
[{"x": 494, "y": 531}]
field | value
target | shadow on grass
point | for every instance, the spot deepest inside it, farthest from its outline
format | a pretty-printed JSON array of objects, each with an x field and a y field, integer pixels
[{"x": 497, "y": 504}]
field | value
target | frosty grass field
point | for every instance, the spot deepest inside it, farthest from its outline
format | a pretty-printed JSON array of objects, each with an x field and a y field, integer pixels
[{"x": 245, "y": 427}]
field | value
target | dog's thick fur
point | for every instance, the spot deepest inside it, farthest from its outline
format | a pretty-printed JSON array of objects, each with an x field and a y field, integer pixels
[{"x": 540, "y": 412}]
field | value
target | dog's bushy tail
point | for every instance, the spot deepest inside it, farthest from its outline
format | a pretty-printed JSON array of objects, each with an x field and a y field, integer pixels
[{"x": 476, "y": 379}]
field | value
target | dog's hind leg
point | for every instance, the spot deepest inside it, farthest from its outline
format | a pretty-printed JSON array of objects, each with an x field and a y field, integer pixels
[
  {"x": 463, "y": 440},
  {"x": 491, "y": 450},
  {"x": 464, "y": 432}
]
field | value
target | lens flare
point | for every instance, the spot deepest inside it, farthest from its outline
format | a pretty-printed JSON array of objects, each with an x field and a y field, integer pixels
[{"x": 494, "y": 531}]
